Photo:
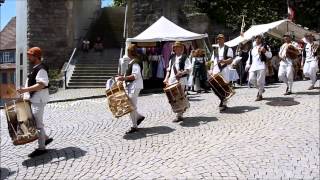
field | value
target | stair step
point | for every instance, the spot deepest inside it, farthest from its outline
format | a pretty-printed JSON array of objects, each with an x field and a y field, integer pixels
[
  {"x": 83, "y": 87},
  {"x": 90, "y": 77},
  {"x": 96, "y": 70},
  {"x": 86, "y": 84},
  {"x": 88, "y": 80},
  {"x": 95, "y": 74}
]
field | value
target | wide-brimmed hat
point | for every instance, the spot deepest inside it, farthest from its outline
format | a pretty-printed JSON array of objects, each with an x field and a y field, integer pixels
[
  {"x": 220, "y": 36},
  {"x": 178, "y": 44}
]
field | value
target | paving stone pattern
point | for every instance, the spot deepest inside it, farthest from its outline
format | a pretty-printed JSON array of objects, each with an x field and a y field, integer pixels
[{"x": 271, "y": 139}]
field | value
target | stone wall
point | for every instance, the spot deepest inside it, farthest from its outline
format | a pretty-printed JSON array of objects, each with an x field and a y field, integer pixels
[
  {"x": 143, "y": 13},
  {"x": 50, "y": 27}
]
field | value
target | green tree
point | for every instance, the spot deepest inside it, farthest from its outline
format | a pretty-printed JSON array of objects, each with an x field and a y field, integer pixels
[
  {"x": 119, "y": 2},
  {"x": 229, "y": 12}
]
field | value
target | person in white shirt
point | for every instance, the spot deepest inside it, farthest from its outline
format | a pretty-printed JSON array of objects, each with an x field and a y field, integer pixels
[
  {"x": 221, "y": 59},
  {"x": 256, "y": 65},
  {"x": 134, "y": 84},
  {"x": 310, "y": 66},
  {"x": 36, "y": 90},
  {"x": 286, "y": 73},
  {"x": 178, "y": 70}
]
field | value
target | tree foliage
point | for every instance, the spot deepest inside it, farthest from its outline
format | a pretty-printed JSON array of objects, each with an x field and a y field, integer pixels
[
  {"x": 229, "y": 12},
  {"x": 119, "y": 2}
]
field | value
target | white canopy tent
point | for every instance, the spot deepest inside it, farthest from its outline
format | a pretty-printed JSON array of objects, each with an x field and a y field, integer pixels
[
  {"x": 276, "y": 29},
  {"x": 165, "y": 30}
]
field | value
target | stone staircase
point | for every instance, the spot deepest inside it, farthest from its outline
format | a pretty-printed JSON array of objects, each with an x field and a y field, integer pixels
[{"x": 93, "y": 69}]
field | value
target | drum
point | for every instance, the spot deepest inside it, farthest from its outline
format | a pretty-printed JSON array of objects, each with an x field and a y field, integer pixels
[
  {"x": 177, "y": 98},
  {"x": 292, "y": 52},
  {"x": 118, "y": 101},
  {"x": 21, "y": 123},
  {"x": 220, "y": 86}
]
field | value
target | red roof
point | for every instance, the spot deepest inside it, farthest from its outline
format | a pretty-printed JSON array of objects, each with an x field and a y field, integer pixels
[{"x": 8, "y": 35}]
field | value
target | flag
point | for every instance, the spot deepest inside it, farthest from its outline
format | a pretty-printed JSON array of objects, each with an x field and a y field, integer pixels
[
  {"x": 291, "y": 12},
  {"x": 242, "y": 27}
]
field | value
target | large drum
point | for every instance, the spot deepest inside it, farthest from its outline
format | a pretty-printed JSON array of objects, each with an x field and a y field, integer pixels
[
  {"x": 118, "y": 101},
  {"x": 220, "y": 87},
  {"x": 177, "y": 98},
  {"x": 21, "y": 123}
]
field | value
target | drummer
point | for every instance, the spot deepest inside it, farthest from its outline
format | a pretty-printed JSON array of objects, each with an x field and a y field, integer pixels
[
  {"x": 134, "y": 84},
  {"x": 178, "y": 70},
  {"x": 36, "y": 90},
  {"x": 221, "y": 58}
]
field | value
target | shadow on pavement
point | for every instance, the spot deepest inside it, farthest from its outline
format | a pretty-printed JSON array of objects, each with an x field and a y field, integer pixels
[
  {"x": 239, "y": 109},
  {"x": 196, "y": 121},
  {"x": 150, "y": 131},
  {"x": 281, "y": 101},
  {"x": 5, "y": 173},
  {"x": 54, "y": 155},
  {"x": 308, "y": 93}
]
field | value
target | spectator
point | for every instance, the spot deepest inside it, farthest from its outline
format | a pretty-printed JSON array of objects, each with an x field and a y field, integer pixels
[
  {"x": 85, "y": 45},
  {"x": 98, "y": 46}
]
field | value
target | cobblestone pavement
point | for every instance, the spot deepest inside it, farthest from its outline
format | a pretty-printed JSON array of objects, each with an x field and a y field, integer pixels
[
  {"x": 65, "y": 94},
  {"x": 271, "y": 139}
]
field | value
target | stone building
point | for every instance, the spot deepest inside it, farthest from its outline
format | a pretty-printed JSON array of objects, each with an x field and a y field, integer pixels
[{"x": 54, "y": 25}]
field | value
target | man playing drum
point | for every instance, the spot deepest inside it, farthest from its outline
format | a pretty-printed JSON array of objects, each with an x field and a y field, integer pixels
[
  {"x": 178, "y": 70},
  {"x": 133, "y": 79},
  {"x": 286, "y": 64},
  {"x": 310, "y": 60},
  {"x": 258, "y": 55},
  {"x": 36, "y": 89},
  {"x": 221, "y": 58}
]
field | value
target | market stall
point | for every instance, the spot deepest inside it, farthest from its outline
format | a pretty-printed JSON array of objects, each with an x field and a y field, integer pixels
[{"x": 155, "y": 43}]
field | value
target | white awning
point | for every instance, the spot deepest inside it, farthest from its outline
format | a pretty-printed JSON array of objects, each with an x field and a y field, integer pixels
[
  {"x": 165, "y": 30},
  {"x": 276, "y": 29}
]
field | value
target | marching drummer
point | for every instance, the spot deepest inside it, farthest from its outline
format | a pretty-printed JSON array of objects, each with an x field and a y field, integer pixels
[
  {"x": 178, "y": 70},
  {"x": 221, "y": 58},
  {"x": 36, "y": 90},
  {"x": 133, "y": 79},
  {"x": 286, "y": 64}
]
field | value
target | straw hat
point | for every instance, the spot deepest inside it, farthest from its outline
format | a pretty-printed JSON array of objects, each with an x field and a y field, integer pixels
[
  {"x": 177, "y": 44},
  {"x": 220, "y": 36}
]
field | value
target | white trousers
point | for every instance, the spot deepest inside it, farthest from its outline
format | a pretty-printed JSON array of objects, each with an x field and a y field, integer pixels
[
  {"x": 286, "y": 74},
  {"x": 258, "y": 78},
  {"x": 37, "y": 111},
  {"x": 134, "y": 115},
  {"x": 310, "y": 69},
  {"x": 180, "y": 114}
]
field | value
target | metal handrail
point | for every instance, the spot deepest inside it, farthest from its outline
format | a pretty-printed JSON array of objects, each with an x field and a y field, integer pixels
[{"x": 67, "y": 67}]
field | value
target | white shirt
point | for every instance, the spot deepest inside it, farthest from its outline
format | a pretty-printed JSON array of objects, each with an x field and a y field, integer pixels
[
  {"x": 215, "y": 68},
  {"x": 172, "y": 78},
  {"x": 41, "y": 96},
  {"x": 309, "y": 53},
  {"x": 257, "y": 64},
  {"x": 138, "y": 81},
  {"x": 283, "y": 54}
]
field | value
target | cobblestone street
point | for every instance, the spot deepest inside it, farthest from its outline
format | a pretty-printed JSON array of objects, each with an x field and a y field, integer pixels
[{"x": 271, "y": 139}]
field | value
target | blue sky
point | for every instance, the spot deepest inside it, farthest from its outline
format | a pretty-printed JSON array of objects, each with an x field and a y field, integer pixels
[{"x": 8, "y": 10}]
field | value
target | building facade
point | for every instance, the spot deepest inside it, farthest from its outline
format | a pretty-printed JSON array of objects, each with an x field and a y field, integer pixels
[{"x": 7, "y": 61}]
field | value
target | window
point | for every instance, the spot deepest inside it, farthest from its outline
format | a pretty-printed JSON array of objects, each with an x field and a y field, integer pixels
[
  {"x": 6, "y": 57},
  {"x": 4, "y": 78},
  {"x": 21, "y": 77},
  {"x": 21, "y": 59}
]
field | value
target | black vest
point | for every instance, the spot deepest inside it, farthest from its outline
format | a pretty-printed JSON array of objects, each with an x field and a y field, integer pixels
[
  {"x": 130, "y": 65},
  {"x": 263, "y": 57},
  {"x": 225, "y": 53},
  {"x": 181, "y": 63},
  {"x": 32, "y": 76}
]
